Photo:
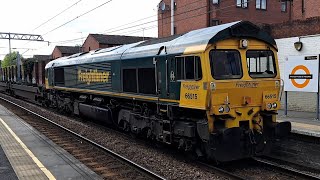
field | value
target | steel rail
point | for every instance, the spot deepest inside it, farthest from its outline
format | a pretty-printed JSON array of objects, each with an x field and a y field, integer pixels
[
  {"x": 288, "y": 170},
  {"x": 138, "y": 167},
  {"x": 222, "y": 171}
]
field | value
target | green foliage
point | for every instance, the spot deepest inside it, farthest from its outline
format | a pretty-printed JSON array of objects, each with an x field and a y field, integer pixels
[{"x": 10, "y": 59}]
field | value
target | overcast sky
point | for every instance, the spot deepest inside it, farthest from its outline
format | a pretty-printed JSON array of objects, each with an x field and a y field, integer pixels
[{"x": 21, "y": 16}]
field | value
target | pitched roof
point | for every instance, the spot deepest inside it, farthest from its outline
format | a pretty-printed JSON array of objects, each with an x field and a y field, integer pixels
[
  {"x": 117, "y": 39},
  {"x": 42, "y": 57},
  {"x": 68, "y": 49}
]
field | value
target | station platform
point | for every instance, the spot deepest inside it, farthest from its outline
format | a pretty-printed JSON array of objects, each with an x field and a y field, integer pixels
[
  {"x": 305, "y": 123},
  {"x": 27, "y": 154}
]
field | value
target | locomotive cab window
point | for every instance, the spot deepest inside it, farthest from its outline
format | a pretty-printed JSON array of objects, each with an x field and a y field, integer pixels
[
  {"x": 225, "y": 64},
  {"x": 261, "y": 63},
  {"x": 59, "y": 76},
  {"x": 188, "y": 68}
]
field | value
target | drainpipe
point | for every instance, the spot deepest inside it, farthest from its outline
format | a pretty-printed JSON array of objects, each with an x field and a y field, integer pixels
[
  {"x": 209, "y": 13},
  {"x": 290, "y": 12},
  {"x": 172, "y": 17}
]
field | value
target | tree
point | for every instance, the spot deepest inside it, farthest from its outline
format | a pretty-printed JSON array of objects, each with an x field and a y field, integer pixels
[{"x": 10, "y": 59}]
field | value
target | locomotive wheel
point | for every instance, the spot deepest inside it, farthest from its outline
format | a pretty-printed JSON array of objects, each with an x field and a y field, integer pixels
[{"x": 124, "y": 125}]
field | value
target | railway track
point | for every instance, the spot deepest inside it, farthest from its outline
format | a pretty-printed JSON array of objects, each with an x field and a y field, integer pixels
[
  {"x": 103, "y": 161},
  {"x": 210, "y": 168},
  {"x": 221, "y": 171},
  {"x": 286, "y": 167},
  {"x": 305, "y": 138},
  {"x": 82, "y": 154},
  {"x": 259, "y": 168}
]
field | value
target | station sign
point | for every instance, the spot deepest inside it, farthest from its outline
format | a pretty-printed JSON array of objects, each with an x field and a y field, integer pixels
[{"x": 301, "y": 73}]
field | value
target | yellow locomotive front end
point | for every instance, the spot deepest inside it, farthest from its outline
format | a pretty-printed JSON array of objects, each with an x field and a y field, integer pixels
[{"x": 244, "y": 92}]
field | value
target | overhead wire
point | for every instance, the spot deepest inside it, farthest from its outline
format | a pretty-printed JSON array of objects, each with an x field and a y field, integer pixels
[
  {"x": 57, "y": 15},
  {"x": 206, "y": 12},
  {"x": 45, "y": 22},
  {"x": 139, "y": 30},
  {"x": 124, "y": 34},
  {"x": 147, "y": 17},
  {"x": 211, "y": 11},
  {"x": 185, "y": 13},
  {"x": 218, "y": 9},
  {"x": 74, "y": 19},
  {"x": 138, "y": 21},
  {"x": 198, "y": 8},
  {"x": 77, "y": 17}
]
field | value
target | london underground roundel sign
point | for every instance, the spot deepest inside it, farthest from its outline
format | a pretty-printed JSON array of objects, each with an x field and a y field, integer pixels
[
  {"x": 306, "y": 76},
  {"x": 301, "y": 73}
]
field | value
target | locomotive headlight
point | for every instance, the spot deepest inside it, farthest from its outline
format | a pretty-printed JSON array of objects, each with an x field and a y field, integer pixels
[
  {"x": 243, "y": 43},
  {"x": 227, "y": 109},
  {"x": 274, "y": 105},
  {"x": 269, "y": 105},
  {"x": 212, "y": 86},
  {"x": 221, "y": 109}
]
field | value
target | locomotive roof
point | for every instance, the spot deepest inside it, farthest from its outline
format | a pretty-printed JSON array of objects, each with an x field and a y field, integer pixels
[{"x": 191, "y": 42}]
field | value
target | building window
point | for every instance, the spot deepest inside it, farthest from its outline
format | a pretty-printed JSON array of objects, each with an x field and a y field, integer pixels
[
  {"x": 242, "y": 3},
  {"x": 283, "y": 6},
  {"x": 261, "y": 4},
  {"x": 214, "y": 22},
  {"x": 214, "y": 2}
]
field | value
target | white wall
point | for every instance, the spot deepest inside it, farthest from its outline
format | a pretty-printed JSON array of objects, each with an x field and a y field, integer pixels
[{"x": 298, "y": 101}]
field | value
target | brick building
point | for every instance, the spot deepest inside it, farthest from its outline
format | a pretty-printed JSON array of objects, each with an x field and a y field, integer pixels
[
  {"x": 40, "y": 62},
  {"x": 96, "y": 41},
  {"x": 193, "y": 14},
  {"x": 304, "y": 9},
  {"x": 287, "y": 21},
  {"x": 60, "y": 51},
  {"x": 295, "y": 28}
]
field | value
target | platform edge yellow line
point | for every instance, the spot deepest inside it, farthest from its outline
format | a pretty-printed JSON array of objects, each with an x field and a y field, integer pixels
[{"x": 34, "y": 158}]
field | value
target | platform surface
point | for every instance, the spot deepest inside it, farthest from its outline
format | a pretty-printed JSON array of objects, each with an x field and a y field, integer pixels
[
  {"x": 302, "y": 122},
  {"x": 27, "y": 154},
  {"x": 6, "y": 171}
]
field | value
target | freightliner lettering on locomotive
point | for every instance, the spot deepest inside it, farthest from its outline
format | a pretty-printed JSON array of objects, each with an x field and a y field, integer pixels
[{"x": 213, "y": 91}]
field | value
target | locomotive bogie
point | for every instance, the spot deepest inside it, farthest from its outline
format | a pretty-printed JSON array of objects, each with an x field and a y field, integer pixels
[{"x": 213, "y": 91}]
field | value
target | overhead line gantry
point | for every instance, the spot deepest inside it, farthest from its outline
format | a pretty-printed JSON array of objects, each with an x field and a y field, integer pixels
[{"x": 20, "y": 36}]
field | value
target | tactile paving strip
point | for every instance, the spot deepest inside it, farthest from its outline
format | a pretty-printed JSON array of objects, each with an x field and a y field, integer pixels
[
  {"x": 23, "y": 165},
  {"x": 6, "y": 171},
  {"x": 55, "y": 162}
]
